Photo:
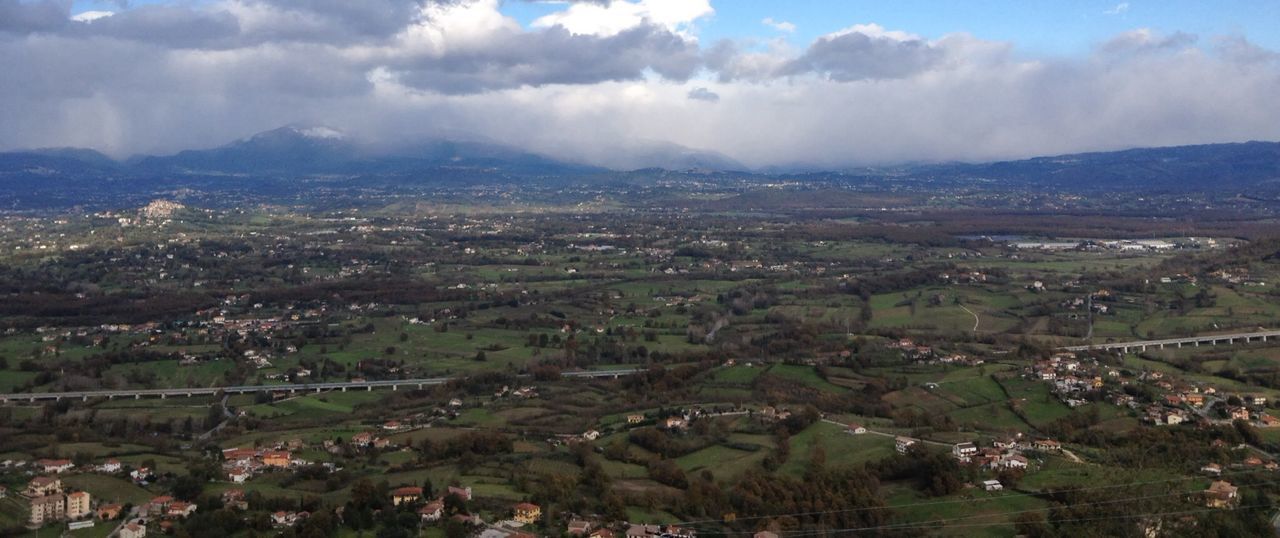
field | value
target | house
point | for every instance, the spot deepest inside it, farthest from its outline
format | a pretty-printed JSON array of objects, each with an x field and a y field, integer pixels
[
  {"x": 234, "y": 498},
  {"x": 391, "y": 425},
  {"x": 527, "y": 513},
  {"x": 1211, "y": 469},
  {"x": 992, "y": 485},
  {"x": 673, "y": 423},
  {"x": 180, "y": 509},
  {"x": 239, "y": 454},
  {"x": 133, "y": 530},
  {"x": 591, "y": 435},
  {"x": 47, "y": 508},
  {"x": 407, "y": 494},
  {"x": 455, "y": 403},
  {"x": 1220, "y": 494},
  {"x": 1015, "y": 461},
  {"x": 78, "y": 504},
  {"x": 431, "y": 511},
  {"x": 1238, "y": 413},
  {"x": 284, "y": 519},
  {"x": 643, "y": 531},
  {"x": 1047, "y": 445},
  {"x": 55, "y": 466},
  {"x": 601, "y": 533},
  {"x": 43, "y": 485},
  {"x": 1267, "y": 421},
  {"x": 765, "y": 534},
  {"x": 239, "y": 475},
  {"x": 157, "y": 505},
  {"x": 856, "y": 429},
  {"x": 964, "y": 451},
  {"x": 109, "y": 511},
  {"x": 276, "y": 458},
  {"x": 461, "y": 493},
  {"x": 111, "y": 466},
  {"x": 635, "y": 419},
  {"x": 903, "y": 444},
  {"x": 362, "y": 439},
  {"x": 140, "y": 475},
  {"x": 578, "y": 527},
  {"x": 4, "y": 492}
]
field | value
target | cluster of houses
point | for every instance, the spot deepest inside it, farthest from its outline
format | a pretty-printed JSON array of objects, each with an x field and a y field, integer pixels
[
  {"x": 241, "y": 464},
  {"x": 1071, "y": 378}
]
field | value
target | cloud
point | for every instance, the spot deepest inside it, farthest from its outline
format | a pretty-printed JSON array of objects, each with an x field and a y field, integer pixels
[
  {"x": 1145, "y": 40},
  {"x": 161, "y": 78},
  {"x": 90, "y": 16},
  {"x": 610, "y": 18},
  {"x": 17, "y": 16},
  {"x": 866, "y": 52},
  {"x": 781, "y": 26},
  {"x": 1118, "y": 9},
  {"x": 702, "y": 94}
]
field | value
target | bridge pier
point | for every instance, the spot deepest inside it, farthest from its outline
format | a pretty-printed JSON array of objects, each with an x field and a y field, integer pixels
[
  {"x": 419, "y": 386},
  {"x": 317, "y": 390},
  {"x": 1179, "y": 345},
  {"x": 84, "y": 398},
  {"x": 368, "y": 388},
  {"x": 344, "y": 389},
  {"x": 163, "y": 395},
  {"x": 137, "y": 396}
]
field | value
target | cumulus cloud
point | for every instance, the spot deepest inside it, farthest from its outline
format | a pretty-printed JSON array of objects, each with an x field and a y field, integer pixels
[{"x": 588, "y": 85}]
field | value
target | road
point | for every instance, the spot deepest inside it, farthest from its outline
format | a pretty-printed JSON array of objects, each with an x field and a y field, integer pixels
[
  {"x": 1212, "y": 339},
  {"x": 976, "y": 320},
  {"x": 393, "y": 384}
]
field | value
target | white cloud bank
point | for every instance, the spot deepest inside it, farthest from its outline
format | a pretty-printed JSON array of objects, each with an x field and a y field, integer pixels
[{"x": 592, "y": 79}]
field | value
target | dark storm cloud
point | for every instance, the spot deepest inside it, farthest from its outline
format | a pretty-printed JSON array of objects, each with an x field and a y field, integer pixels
[
  {"x": 553, "y": 56},
  {"x": 858, "y": 56},
  {"x": 21, "y": 17},
  {"x": 170, "y": 26}
]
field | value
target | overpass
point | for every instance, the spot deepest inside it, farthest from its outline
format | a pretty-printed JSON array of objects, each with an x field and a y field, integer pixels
[
  {"x": 393, "y": 384},
  {"x": 1213, "y": 339}
]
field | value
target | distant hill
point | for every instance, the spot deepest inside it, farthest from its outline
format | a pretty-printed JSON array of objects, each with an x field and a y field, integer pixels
[
  {"x": 285, "y": 162},
  {"x": 1177, "y": 168}
]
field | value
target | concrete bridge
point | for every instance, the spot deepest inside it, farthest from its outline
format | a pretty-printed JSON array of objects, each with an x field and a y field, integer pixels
[
  {"x": 393, "y": 384},
  {"x": 1213, "y": 339}
]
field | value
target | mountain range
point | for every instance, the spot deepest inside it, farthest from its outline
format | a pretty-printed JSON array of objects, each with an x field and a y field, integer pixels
[{"x": 289, "y": 158}]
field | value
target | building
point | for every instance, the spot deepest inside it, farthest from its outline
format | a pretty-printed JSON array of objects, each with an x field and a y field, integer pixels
[
  {"x": 431, "y": 511},
  {"x": 44, "y": 485},
  {"x": 992, "y": 485},
  {"x": 964, "y": 451},
  {"x": 133, "y": 530},
  {"x": 903, "y": 444},
  {"x": 635, "y": 419},
  {"x": 78, "y": 504},
  {"x": 48, "y": 508},
  {"x": 856, "y": 429},
  {"x": 111, "y": 466},
  {"x": 1221, "y": 494},
  {"x": 4, "y": 492},
  {"x": 578, "y": 527},
  {"x": 109, "y": 511},
  {"x": 276, "y": 458},
  {"x": 408, "y": 494},
  {"x": 765, "y": 534},
  {"x": 527, "y": 513},
  {"x": 56, "y": 466},
  {"x": 461, "y": 493},
  {"x": 180, "y": 509}
]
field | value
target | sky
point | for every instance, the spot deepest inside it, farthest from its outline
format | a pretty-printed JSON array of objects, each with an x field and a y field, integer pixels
[{"x": 611, "y": 82}]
